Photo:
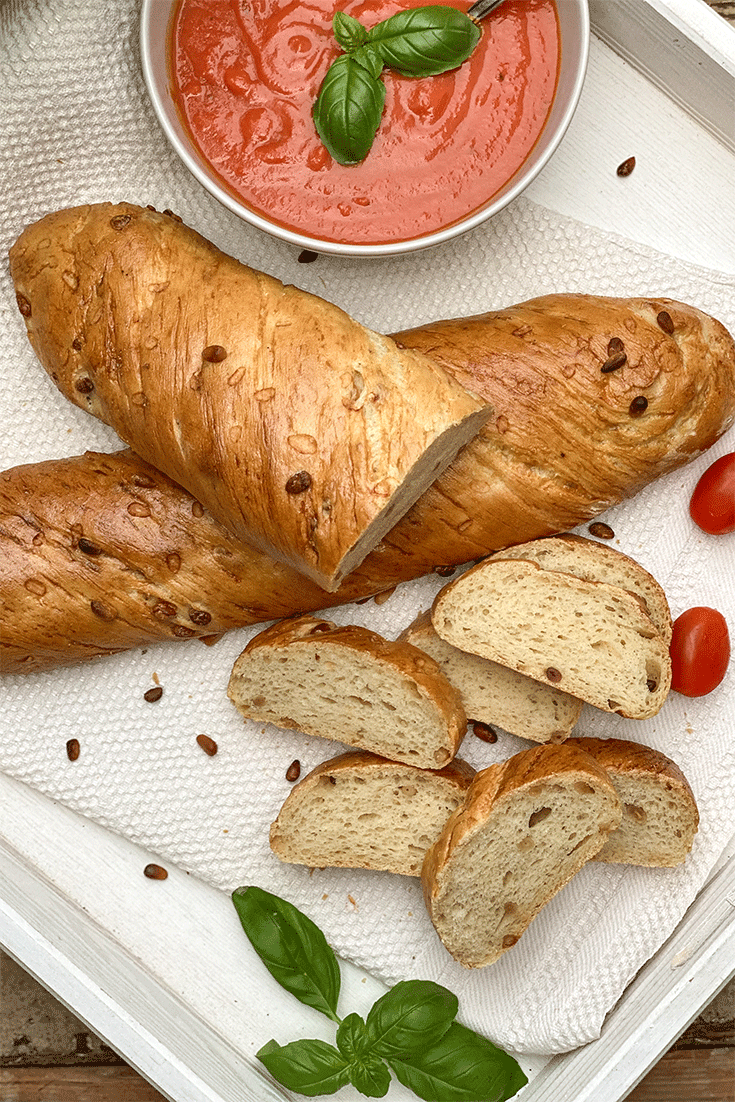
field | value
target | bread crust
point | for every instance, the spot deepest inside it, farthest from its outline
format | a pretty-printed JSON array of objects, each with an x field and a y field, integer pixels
[
  {"x": 540, "y": 474},
  {"x": 302, "y": 431}
]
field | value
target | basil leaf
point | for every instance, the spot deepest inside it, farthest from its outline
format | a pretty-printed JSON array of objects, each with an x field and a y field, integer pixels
[
  {"x": 348, "y": 31},
  {"x": 292, "y": 947},
  {"x": 309, "y": 1067},
  {"x": 370, "y": 1076},
  {"x": 424, "y": 42},
  {"x": 461, "y": 1067},
  {"x": 348, "y": 108},
  {"x": 411, "y": 1017},
  {"x": 353, "y": 1040}
]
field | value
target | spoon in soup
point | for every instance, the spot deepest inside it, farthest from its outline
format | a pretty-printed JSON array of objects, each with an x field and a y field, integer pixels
[{"x": 483, "y": 7}]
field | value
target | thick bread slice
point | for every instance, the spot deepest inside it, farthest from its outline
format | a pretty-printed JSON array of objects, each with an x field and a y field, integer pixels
[
  {"x": 302, "y": 431},
  {"x": 596, "y": 562},
  {"x": 526, "y": 827},
  {"x": 594, "y": 640},
  {"x": 359, "y": 810},
  {"x": 492, "y": 693},
  {"x": 352, "y": 685},
  {"x": 660, "y": 816}
]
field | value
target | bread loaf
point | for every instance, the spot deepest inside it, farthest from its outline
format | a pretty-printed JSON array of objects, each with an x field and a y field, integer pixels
[
  {"x": 544, "y": 464},
  {"x": 352, "y": 685},
  {"x": 303, "y": 432},
  {"x": 359, "y": 810},
  {"x": 492, "y": 693},
  {"x": 526, "y": 827},
  {"x": 660, "y": 815},
  {"x": 594, "y": 640}
]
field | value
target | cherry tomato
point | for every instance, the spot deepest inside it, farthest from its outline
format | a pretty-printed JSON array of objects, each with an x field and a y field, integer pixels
[
  {"x": 700, "y": 651},
  {"x": 712, "y": 506}
]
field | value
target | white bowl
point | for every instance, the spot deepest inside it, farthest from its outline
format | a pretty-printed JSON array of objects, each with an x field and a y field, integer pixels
[{"x": 574, "y": 32}]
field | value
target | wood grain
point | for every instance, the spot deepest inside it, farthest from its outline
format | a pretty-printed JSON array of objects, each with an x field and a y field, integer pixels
[{"x": 686, "y": 1075}]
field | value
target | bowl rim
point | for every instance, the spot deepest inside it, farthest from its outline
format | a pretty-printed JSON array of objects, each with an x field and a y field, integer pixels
[{"x": 157, "y": 86}]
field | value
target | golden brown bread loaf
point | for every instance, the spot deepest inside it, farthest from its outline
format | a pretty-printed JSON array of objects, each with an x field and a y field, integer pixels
[
  {"x": 302, "y": 431},
  {"x": 494, "y": 494}
]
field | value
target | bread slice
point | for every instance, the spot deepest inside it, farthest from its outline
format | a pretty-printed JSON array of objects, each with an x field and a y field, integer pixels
[
  {"x": 359, "y": 810},
  {"x": 596, "y": 562},
  {"x": 352, "y": 685},
  {"x": 526, "y": 827},
  {"x": 594, "y": 640},
  {"x": 660, "y": 816},
  {"x": 492, "y": 693}
]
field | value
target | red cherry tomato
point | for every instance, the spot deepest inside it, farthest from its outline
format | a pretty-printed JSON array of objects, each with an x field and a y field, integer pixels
[
  {"x": 712, "y": 506},
  {"x": 700, "y": 651}
]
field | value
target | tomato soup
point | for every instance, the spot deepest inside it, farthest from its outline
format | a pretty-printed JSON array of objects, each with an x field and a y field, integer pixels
[{"x": 245, "y": 74}]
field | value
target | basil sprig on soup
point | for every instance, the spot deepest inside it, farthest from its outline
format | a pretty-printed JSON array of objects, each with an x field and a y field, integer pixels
[{"x": 419, "y": 42}]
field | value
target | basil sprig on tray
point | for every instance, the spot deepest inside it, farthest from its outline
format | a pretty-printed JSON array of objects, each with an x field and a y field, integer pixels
[
  {"x": 419, "y": 42},
  {"x": 410, "y": 1030}
]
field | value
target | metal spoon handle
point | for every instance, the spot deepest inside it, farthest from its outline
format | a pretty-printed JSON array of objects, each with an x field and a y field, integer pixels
[{"x": 483, "y": 7}]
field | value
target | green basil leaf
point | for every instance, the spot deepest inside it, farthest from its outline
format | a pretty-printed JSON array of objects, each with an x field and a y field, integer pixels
[
  {"x": 348, "y": 109},
  {"x": 370, "y": 1076},
  {"x": 461, "y": 1067},
  {"x": 309, "y": 1067},
  {"x": 423, "y": 42},
  {"x": 292, "y": 947},
  {"x": 348, "y": 31},
  {"x": 411, "y": 1017},
  {"x": 353, "y": 1040},
  {"x": 369, "y": 57}
]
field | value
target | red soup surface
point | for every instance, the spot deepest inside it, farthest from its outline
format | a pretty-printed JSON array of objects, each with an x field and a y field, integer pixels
[{"x": 245, "y": 74}]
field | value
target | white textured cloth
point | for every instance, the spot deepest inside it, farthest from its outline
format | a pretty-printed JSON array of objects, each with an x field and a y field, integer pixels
[{"x": 76, "y": 126}]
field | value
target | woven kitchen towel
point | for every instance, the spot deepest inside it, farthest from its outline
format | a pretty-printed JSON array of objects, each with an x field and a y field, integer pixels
[{"x": 76, "y": 126}]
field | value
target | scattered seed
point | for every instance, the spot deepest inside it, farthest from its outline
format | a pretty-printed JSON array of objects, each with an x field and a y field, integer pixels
[
  {"x": 181, "y": 631},
  {"x": 665, "y": 321},
  {"x": 306, "y": 256},
  {"x": 652, "y": 685},
  {"x": 72, "y": 749},
  {"x": 208, "y": 745},
  {"x": 298, "y": 482},
  {"x": 214, "y": 354},
  {"x": 77, "y": 344},
  {"x": 553, "y": 674},
  {"x": 638, "y": 406},
  {"x": 152, "y": 695},
  {"x": 84, "y": 385},
  {"x": 626, "y": 167},
  {"x": 199, "y": 617},
  {"x": 601, "y": 530},
  {"x": 170, "y": 213},
  {"x": 162, "y": 610},
  {"x": 88, "y": 547},
  {"x": 139, "y": 509},
  {"x": 615, "y": 345},
  {"x": 120, "y": 221},
  {"x": 143, "y": 480},
  {"x": 155, "y": 872},
  {"x": 444, "y": 571},
  {"x": 612, "y": 363},
  {"x": 484, "y": 732},
  {"x": 294, "y": 770},
  {"x": 23, "y": 305},
  {"x": 99, "y": 608}
]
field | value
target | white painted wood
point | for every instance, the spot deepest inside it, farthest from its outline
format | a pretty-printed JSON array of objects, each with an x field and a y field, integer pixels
[
  {"x": 161, "y": 970},
  {"x": 684, "y": 47}
]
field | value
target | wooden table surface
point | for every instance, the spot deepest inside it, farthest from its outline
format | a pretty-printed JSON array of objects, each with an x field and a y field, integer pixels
[{"x": 47, "y": 1055}]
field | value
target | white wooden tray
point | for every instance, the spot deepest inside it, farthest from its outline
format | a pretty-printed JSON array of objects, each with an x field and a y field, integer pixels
[{"x": 74, "y": 907}]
